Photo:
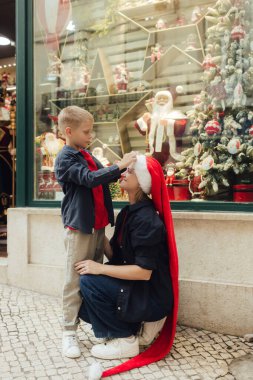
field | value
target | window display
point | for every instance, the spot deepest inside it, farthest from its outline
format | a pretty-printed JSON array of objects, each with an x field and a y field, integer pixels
[{"x": 169, "y": 78}]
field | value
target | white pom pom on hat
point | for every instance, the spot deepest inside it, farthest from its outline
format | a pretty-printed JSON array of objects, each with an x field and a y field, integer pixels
[{"x": 142, "y": 173}]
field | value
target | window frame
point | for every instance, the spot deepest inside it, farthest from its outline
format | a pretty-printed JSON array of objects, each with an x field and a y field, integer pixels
[{"x": 25, "y": 129}]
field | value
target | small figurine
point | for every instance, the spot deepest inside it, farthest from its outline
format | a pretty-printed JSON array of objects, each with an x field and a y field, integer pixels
[
  {"x": 191, "y": 42},
  {"x": 181, "y": 21},
  {"x": 195, "y": 179},
  {"x": 156, "y": 52},
  {"x": 170, "y": 171},
  {"x": 99, "y": 154},
  {"x": 100, "y": 89},
  {"x": 196, "y": 14},
  {"x": 121, "y": 77},
  {"x": 141, "y": 87},
  {"x": 161, "y": 24}
]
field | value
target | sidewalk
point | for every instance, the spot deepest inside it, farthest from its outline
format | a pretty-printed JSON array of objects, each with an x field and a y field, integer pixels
[{"x": 30, "y": 346}]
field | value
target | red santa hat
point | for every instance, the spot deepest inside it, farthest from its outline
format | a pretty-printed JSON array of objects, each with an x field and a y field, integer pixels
[{"x": 151, "y": 179}]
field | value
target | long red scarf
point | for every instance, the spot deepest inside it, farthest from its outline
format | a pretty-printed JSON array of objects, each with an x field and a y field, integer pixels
[{"x": 101, "y": 214}]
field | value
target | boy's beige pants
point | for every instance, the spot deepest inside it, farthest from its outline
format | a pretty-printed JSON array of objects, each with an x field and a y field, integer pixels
[{"x": 78, "y": 247}]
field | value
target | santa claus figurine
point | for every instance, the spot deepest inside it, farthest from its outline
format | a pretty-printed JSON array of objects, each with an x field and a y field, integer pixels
[
  {"x": 121, "y": 77},
  {"x": 163, "y": 125}
]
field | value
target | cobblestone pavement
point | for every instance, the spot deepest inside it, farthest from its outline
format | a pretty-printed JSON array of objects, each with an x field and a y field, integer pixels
[{"x": 30, "y": 346}]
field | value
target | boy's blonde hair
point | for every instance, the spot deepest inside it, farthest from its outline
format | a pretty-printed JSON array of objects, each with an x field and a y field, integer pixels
[{"x": 73, "y": 116}]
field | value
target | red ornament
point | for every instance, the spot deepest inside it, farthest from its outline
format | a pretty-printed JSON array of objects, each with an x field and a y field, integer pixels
[
  {"x": 212, "y": 127},
  {"x": 251, "y": 130},
  {"x": 208, "y": 62},
  {"x": 237, "y": 32},
  {"x": 53, "y": 118}
]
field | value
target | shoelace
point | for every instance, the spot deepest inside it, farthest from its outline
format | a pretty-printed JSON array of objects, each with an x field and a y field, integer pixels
[{"x": 109, "y": 340}]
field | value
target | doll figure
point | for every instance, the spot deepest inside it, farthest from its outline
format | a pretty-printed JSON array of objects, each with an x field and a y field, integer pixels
[
  {"x": 99, "y": 154},
  {"x": 156, "y": 52},
  {"x": 161, "y": 24},
  {"x": 196, "y": 14},
  {"x": 121, "y": 77},
  {"x": 163, "y": 125}
]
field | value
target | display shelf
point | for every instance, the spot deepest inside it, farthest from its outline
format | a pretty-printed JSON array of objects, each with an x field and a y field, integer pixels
[
  {"x": 102, "y": 96},
  {"x": 150, "y": 13},
  {"x": 163, "y": 38},
  {"x": 103, "y": 123},
  {"x": 166, "y": 60},
  {"x": 101, "y": 71},
  {"x": 147, "y": 9}
]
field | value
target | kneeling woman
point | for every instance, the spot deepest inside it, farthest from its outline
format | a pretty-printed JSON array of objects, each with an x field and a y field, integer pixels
[{"x": 140, "y": 281}]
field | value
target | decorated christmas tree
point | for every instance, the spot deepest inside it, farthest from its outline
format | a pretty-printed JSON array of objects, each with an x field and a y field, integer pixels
[{"x": 222, "y": 116}]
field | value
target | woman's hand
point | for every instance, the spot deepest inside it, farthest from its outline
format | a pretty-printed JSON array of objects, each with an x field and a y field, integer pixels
[{"x": 88, "y": 267}]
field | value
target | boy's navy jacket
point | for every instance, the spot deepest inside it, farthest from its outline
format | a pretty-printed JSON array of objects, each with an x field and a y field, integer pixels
[{"x": 77, "y": 180}]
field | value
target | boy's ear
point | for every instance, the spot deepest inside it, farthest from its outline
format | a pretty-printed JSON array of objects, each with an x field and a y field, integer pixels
[{"x": 68, "y": 131}]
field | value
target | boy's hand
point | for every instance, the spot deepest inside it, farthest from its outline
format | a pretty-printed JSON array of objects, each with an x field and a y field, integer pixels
[
  {"x": 88, "y": 267},
  {"x": 127, "y": 160}
]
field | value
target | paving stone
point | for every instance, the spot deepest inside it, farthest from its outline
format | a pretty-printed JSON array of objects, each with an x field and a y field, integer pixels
[{"x": 30, "y": 341}]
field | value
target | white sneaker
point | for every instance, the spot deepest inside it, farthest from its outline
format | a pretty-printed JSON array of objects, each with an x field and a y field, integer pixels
[
  {"x": 70, "y": 347},
  {"x": 149, "y": 331},
  {"x": 120, "y": 348}
]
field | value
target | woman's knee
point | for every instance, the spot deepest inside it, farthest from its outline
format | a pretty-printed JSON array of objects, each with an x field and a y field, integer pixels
[{"x": 86, "y": 282}]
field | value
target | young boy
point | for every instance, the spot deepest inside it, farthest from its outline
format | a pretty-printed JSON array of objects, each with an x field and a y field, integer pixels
[{"x": 86, "y": 209}]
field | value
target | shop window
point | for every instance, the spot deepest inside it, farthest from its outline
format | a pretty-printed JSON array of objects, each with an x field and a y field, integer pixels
[{"x": 168, "y": 78}]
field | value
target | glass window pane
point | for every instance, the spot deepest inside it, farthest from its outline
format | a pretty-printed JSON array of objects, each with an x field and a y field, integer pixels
[{"x": 168, "y": 78}]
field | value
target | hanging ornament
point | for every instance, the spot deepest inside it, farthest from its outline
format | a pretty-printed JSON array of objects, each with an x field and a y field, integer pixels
[
  {"x": 197, "y": 149},
  {"x": 238, "y": 32},
  {"x": 208, "y": 163},
  {"x": 251, "y": 131},
  {"x": 233, "y": 146},
  {"x": 212, "y": 127},
  {"x": 240, "y": 98},
  {"x": 208, "y": 62},
  {"x": 54, "y": 16}
]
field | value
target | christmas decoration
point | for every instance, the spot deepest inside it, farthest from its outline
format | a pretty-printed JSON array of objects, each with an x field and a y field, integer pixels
[
  {"x": 221, "y": 118},
  {"x": 196, "y": 14},
  {"x": 48, "y": 145},
  {"x": 208, "y": 163},
  {"x": 162, "y": 126},
  {"x": 191, "y": 42},
  {"x": 212, "y": 127},
  {"x": 233, "y": 146},
  {"x": 99, "y": 154},
  {"x": 197, "y": 149},
  {"x": 116, "y": 192},
  {"x": 195, "y": 180},
  {"x": 121, "y": 77},
  {"x": 156, "y": 52},
  {"x": 161, "y": 24},
  {"x": 54, "y": 16}
]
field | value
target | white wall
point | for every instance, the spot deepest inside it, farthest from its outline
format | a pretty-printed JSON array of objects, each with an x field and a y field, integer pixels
[{"x": 215, "y": 258}]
